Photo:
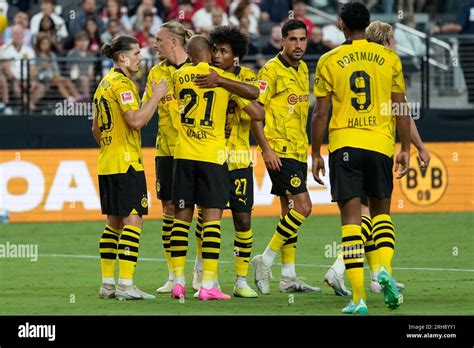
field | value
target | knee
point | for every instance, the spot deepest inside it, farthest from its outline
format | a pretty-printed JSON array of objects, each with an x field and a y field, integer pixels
[
  {"x": 304, "y": 209},
  {"x": 242, "y": 222}
]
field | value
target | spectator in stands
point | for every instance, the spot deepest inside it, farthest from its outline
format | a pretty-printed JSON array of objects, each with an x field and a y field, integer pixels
[
  {"x": 244, "y": 9},
  {"x": 149, "y": 52},
  {"x": 77, "y": 22},
  {"x": 299, "y": 12},
  {"x": 81, "y": 66},
  {"x": 254, "y": 8},
  {"x": 332, "y": 35},
  {"x": 274, "y": 45},
  {"x": 92, "y": 31},
  {"x": 405, "y": 41},
  {"x": 113, "y": 30},
  {"x": 146, "y": 7},
  {"x": 410, "y": 5},
  {"x": 275, "y": 11},
  {"x": 47, "y": 9},
  {"x": 202, "y": 18},
  {"x": 114, "y": 10},
  {"x": 5, "y": 97},
  {"x": 315, "y": 44},
  {"x": 144, "y": 31},
  {"x": 48, "y": 27},
  {"x": 464, "y": 25},
  {"x": 244, "y": 25},
  {"x": 48, "y": 69},
  {"x": 217, "y": 17},
  {"x": 20, "y": 18},
  {"x": 16, "y": 72}
]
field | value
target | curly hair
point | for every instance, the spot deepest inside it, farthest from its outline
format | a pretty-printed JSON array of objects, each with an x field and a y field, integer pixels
[{"x": 233, "y": 36}]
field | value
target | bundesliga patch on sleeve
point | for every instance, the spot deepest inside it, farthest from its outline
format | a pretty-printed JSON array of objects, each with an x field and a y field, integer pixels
[
  {"x": 127, "y": 97},
  {"x": 262, "y": 85}
]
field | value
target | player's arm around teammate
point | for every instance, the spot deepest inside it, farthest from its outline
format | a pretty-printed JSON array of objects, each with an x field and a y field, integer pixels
[{"x": 117, "y": 121}]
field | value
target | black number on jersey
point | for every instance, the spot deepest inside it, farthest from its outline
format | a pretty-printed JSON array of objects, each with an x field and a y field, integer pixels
[
  {"x": 206, "y": 122},
  {"x": 104, "y": 116},
  {"x": 363, "y": 93}
]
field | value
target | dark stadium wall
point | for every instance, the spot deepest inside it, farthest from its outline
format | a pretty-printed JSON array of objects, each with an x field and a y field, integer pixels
[{"x": 55, "y": 132}]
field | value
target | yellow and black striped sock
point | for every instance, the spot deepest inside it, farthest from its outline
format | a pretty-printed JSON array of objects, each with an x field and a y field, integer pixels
[
  {"x": 383, "y": 234},
  {"x": 108, "y": 250},
  {"x": 369, "y": 245},
  {"x": 198, "y": 234},
  {"x": 242, "y": 249},
  {"x": 128, "y": 251},
  {"x": 353, "y": 255},
  {"x": 165, "y": 237},
  {"x": 211, "y": 246},
  {"x": 179, "y": 246},
  {"x": 286, "y": 229},
  {"x": 288, "y": 250}
]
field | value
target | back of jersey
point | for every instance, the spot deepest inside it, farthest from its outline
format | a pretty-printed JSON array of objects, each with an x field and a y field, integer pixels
[
  {"x": 360, "y": 76},
  {"x": 203, "y": 116}
]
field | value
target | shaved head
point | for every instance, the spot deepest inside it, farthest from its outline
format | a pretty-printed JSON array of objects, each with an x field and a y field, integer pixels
[{"x": 199, "y": 49}]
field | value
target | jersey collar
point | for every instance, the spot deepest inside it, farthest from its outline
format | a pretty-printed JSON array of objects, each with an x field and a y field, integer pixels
[
  {"x": 355, "y": 42},
  {"x": 120, "y": 71},
  {"x": 180, "y": 65},
  {"x": 285, "y": 63},
  {"x": 237, "y": 71}
]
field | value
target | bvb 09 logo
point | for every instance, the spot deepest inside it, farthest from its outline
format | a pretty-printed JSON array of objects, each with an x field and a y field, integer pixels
[{"x": 425, "y": 186}]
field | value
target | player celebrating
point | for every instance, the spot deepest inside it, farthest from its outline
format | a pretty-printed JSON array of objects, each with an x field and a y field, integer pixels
[
  {"x": 123, "y": 194},
  {"x": 381, "y": 33},
  {"x": 170, "y": 42},
  {"x": 201, "y": 174},
  {"x": 284, "y": 92},
  {"x": 356, "y": 77},
  {"x": 230, "y": 46}
]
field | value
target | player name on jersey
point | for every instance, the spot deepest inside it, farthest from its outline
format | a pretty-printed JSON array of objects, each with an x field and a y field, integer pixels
[
  {"x": 367, "y": 121},
  {"x": 358, "y": 56}
]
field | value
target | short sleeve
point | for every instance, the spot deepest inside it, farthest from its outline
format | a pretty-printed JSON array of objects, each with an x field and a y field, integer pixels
[
  {"x": 322, "y": 79},
  {"x": 398, "y": 82},
  {"x": 127, "y": 97},
  {"x": 266, "y": 84}
]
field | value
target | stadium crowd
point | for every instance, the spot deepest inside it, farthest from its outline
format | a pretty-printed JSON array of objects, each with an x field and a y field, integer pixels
[{"x": 63, "y": 37}]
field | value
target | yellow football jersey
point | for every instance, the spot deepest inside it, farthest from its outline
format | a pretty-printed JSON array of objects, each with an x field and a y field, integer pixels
[
  {"x": 120, "y": 145},
  {"x": 168, "y": 112},
  {"x": 238, "y": 144},
  {"x": 284, "y": 92},
  {"x": 361, "y": 76},
  {"x": 203, "y": 115}
]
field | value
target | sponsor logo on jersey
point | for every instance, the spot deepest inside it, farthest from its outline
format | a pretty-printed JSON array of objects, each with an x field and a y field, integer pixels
[
  {"x": 126, "y": 97},
  {"x": 262, "y": 85},
  {"x": 293, "y": 98}
]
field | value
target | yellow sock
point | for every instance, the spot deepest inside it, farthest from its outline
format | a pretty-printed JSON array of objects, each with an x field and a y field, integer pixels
[
  {"x": 179, "y": 246},
  {"x": 128, "y": 251},
  {"x": 383, "y": 234},
  {"x": 108, "y": 251},
  {"x": 166, "y": 236},
  {"x": 242, "y": 249},
  {"x": 288, "y": 250},
  {"x": 286, "y": 229},
  {"x": 211, "y": 245},
  {"x": 369, "y": 246},
  {"x": 353, "y": 254},
  {"x": 198, "y": 234}
]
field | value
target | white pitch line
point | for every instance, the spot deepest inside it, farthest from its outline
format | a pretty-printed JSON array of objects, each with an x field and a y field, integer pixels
[{"x": 298, "y": 264}]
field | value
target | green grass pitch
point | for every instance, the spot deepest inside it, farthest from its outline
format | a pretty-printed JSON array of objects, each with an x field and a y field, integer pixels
[{"x": 433, "y": 259}]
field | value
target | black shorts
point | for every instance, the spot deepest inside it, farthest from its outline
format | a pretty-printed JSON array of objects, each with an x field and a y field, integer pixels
[
  {"x": 241, "y": 190},
  {"x": 357, "y": 172},
  {"x": 202, "y": 183},
  {"x": 164, "y": 177},
  {"x": 291, "y": 179},
  {"x": 120, "y": 194}
]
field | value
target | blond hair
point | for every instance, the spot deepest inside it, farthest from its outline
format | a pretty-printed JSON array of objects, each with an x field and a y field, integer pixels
[
  {"x": 178, "y": 30},
  {"x": 379, "y": 32}
]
